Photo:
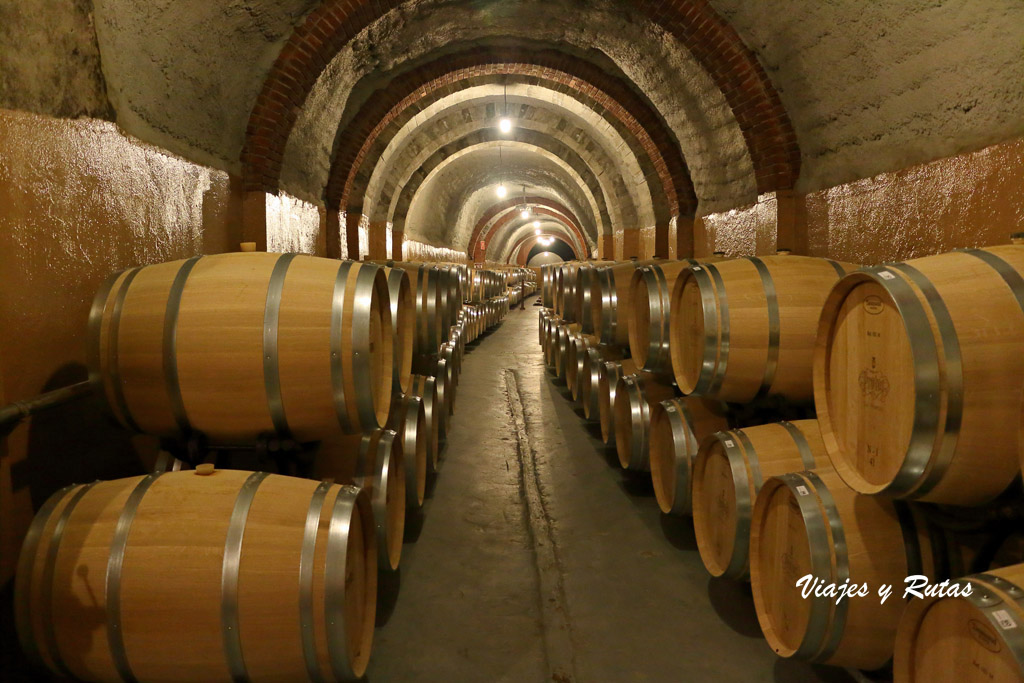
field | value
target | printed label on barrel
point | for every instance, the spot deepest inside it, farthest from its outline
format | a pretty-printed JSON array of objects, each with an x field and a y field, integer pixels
[{"x": 984, "y": 635}]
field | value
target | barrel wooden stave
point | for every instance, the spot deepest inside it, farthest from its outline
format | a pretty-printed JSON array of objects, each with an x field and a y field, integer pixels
[{"x": 409, "y": 422}]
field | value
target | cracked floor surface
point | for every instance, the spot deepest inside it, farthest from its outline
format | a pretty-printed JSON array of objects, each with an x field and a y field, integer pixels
[{"x": 538, "y": 559}]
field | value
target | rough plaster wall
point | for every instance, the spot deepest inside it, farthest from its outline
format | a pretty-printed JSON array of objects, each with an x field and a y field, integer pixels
[
  {"x": 185, "y": 73},
  {"x": 593, "y": 168},
  {"x": 877, "y": 86},
  {"x": 49, "y": 59},
  {"x": 293, "y": 226},
  {"x": 501, "y": 246},
  {"x": 608, "y": 156},
  {"x": 656, "y": 62},
  {"x": 442, "y": 212}
]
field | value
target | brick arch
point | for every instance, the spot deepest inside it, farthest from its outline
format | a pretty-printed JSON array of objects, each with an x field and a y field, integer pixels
[
  {"x": 504, "y": 205},
  {"x": 522, "y": 245},
  {"x": 363, "y": 140},
  {"x": 511, "y": 216},
  {"x": 715, "y": 45},
  {"x": 488, "y": 136}
]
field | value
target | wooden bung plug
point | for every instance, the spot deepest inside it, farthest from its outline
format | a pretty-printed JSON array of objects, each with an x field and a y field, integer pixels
[{"x": 205, "y": 469}]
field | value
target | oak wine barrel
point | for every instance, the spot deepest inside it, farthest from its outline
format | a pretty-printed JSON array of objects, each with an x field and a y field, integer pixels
[
  {"x": 678, "y": 426},
  {"x": 403, "y": 321},
  {"x": 374, "y": 462},
  {"x": 745, "y": 328},
  {"x": 812, "y": 524},
  {"x": 917, "y": 376},
  {"x": 424, "y": 387},
  {"x": 408, "y": 421},
  {"x": 650, "y": 295},
  {"x": 590, "y": 381},
  {"x": 575, "y": 356},
  {"x": 211, "y": 575},
  {"x": 633, "y": 399},
  {"x": 976, "y": 638},
  {"x": 607, "y": 385},
  {"x": 610, "y": 302},
  {"x": 238, "y": 346},
  {"x": 727, "y": 474}
]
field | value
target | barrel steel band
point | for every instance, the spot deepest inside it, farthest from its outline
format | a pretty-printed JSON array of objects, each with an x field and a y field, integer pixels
[
  {"x": 815, "y": 634},
  {"x": 306, "y": 560},
  {"x": 1010, "y": 276},
  {"x": 722, "y": 305},
  {"x": 337, "y": 366},
  {"x": 990, "y": 605},
  {"x": 840, "y": 271},
  {"x": 636, "y": 420},
  {"x": 335, "y": 572},
  {"x": 611, "y": 308},
  {"x": 95, "y": 328},
  {"x": 774, "y": 325},
  {"x": 744, "y": 501},
  {"x": 804, "y": 448},
  {"x": 170, "y": 345},
  {"x": 933, "y": 471},
  {"x": 828, "y": 503},
  {"x": 410, "y": 439},
  {"x": 941, "y": 557},
  {"x": 709, "y": 309},
  {"x": 114, "y": 351},
  {"x": 271, "y": 361},
  {"x": 115, "y": 563},
  {"x": 911, "y": 543},
  {"x": 229, "y": 577},
  {"x": 46, "y": 589},
  {"x": 926, "y": 379},
  {"x": 381, "y": 484},
  {"x": 26, "y": 560},
  {"x": 683, "y": 458},
  {"x": 755, "y": 464},
  {"x": 660, "y": 360},
  {"x": 361, "y": 361}
]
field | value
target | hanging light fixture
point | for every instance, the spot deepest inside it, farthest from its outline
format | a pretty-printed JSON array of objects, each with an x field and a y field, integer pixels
[
  {"x": 524, "y": 208},
  {"x": 502, "y": 192},
  {"x": 505, "y": 124},
  {"x": 537, "y": 231},
  {"x": 536, "y": 224}
]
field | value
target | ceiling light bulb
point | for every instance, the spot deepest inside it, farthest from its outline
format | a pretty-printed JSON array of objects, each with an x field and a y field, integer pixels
[
  {"x": 502, "y": 191},
  {"x": 525, "y": 214},
  {"x": 505, "y": 125},
  {"x": 537, "y": 231},
  {"x": 536, "y": 224}
]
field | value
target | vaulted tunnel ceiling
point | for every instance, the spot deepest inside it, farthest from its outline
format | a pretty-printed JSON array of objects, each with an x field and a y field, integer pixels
[{"x": 626, "y": 114}]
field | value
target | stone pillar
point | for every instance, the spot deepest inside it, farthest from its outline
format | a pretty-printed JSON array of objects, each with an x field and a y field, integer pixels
[
  {"x": 684, "y": 237},
  {"x": 378, "y": 239},
  {"x": 606, "y": 247},
  {"x": 629, "y": 247},
  {"x": 335, "y": 246},
  {"x": 397, "y": 238},
  {"x": 353, "y": 217}
]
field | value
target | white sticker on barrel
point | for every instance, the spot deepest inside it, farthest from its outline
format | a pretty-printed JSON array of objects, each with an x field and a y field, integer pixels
[
  {"x": 729, "y": 443},
  {"x": 1004, "y": 619},
  {"x": 802, "y": 490},
  {"x": 697, "y": 268},
  {"x": 886, "y": 275}
]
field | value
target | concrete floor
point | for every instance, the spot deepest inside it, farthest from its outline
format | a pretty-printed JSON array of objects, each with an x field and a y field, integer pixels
[{"x": 537, "y": 559}]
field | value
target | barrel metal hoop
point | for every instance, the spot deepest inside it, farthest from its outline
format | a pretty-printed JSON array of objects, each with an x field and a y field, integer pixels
[
  {"x": 381, "y": 483},
  {"x": 815, "y": 634},
  {"x": 95, "y": 329},
  {"x": 229, "y": 577},
  {"x": 306, "y": 559},
  {"x": 23, "y": 591},
  {"x": 657, "y": 345},
  {"x": 361, "y": 360},
  {"x": 705, "y": 277},
  {"x": 115, "y": 564},
  {"x": 722, "y": 306},
  {"x": 744, "y": 500},
  {"x": 609, "y": 308},
  {"x": 170, "y": 345},
  {"x": 939, "y": 462},
  {"x": 1010, "y": 276},
  {"x": 804, "y": 448},
  {"x": 46, "y": 593},
  {"x": 911, "y": 544},
  {"x": 836, "y": 266},
  {"x": 679, "y": 419},
  {"x": 835, "y": 523},
  {"x": 337, "y": 367},
  {"x": 114, "y": 359},
  {"x": 637, "y": 411},
  {"x": 994, "y": 609},
  {"x": 774, "y": 325},
  {"x": 924, "y": 350},
  {"x": 335, "y": 572},
  {"x": 271, "y": 361}
]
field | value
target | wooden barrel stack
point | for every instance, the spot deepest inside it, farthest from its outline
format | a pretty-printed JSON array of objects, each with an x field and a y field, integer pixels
[
  {"x": 259, "y": 353},
  {"x": 916, "y": 376}
]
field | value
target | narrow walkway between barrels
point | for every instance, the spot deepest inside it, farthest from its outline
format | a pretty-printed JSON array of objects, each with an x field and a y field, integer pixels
[{"x": 537, "y": 560}]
